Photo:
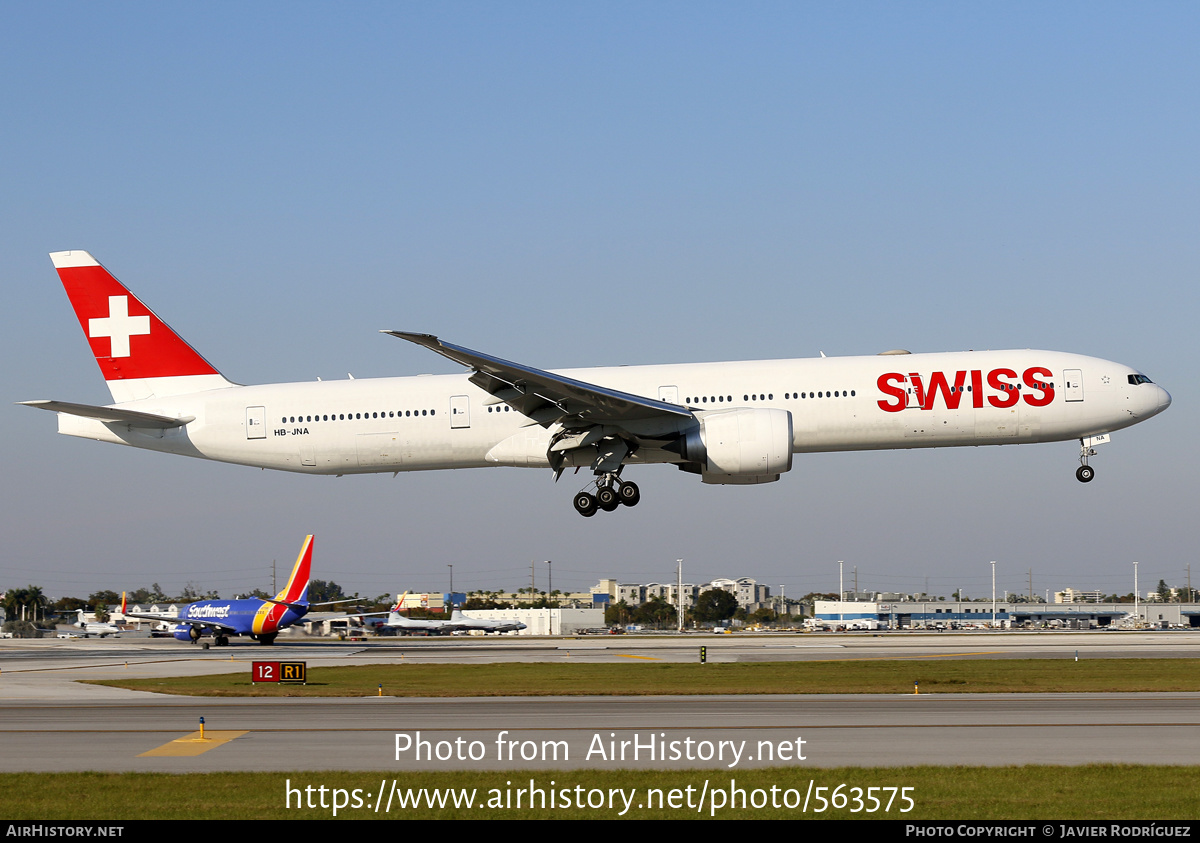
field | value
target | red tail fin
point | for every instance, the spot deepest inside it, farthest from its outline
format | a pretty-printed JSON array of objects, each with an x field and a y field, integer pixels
[{"x": 129, "y": 342}]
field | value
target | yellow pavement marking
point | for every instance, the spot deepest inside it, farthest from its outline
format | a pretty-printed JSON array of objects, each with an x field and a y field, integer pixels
[
  {"x": 191, "y": 744},
  {"x": 647, "y": 658},
  {"x": 914, "y": 658}
]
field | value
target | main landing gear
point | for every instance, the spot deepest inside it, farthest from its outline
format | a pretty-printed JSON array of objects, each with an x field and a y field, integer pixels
[
  {"x": 611, "y": 492},
  {"x": 218, "y": 640}
]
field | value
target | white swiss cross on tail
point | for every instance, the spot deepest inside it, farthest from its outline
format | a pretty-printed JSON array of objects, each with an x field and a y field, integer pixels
[{"x": 118, "y": 326}]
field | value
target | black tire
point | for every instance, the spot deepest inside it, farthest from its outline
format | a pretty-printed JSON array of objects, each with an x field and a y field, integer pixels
[
  {"x": 606, "y": 497},
  {"x": 1085, "y": 474},
  {"x": 585, "y": 504},
  {"x": 267, "y": 639},
  {"x": 630, "y": 494}
]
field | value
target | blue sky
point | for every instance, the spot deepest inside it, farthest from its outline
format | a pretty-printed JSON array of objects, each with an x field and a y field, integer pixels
[{"x": 598, "y": 184}]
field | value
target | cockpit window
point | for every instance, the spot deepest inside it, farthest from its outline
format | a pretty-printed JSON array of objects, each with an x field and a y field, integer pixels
[{"x": 1136, "y": 379}]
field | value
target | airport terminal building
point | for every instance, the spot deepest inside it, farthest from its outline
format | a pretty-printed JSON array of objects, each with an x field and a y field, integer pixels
[{"x": 954, "y": 614}]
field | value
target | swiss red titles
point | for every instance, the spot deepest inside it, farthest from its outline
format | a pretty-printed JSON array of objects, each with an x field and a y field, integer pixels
[{"x": 1004, "y": 389}]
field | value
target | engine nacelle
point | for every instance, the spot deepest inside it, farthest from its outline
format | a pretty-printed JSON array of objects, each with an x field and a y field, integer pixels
[
  {"x": 185, "y": 632},
  {"x": 741, "y": 446}
]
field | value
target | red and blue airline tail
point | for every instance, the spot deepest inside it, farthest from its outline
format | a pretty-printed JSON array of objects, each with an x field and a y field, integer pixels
[
  {"x": 296, "y": 590},
  {"x": 138, "y": 354}
]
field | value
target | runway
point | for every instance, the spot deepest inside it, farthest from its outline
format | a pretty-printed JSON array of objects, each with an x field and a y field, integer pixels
[{"x": 49, "y": 721}]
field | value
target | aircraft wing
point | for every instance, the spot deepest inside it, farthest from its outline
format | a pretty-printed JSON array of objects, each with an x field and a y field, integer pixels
[
  {"x": 133, "y": 418},
  {"x": 202, "y": 623},
  {"x": 545, "y": 397}
]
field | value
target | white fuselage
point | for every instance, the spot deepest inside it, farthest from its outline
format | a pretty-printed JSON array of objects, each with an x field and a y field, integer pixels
[
  {"x": 94, "y": 627},
  {"x": 836, "y": 404}
]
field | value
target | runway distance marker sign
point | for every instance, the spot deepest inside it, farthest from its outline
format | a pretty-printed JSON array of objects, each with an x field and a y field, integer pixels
[{"x": 279, "y": 672}]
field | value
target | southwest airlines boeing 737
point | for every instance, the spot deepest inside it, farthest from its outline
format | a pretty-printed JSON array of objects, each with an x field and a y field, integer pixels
[
  {"x": 262, "y": 620},
  {"x": 731, "y": 423}
]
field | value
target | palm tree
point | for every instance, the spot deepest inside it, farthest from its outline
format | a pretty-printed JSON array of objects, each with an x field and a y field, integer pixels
[
  {"x": 36, "y": 599},
  {"x": 13, "y": 599},
  {"x": 20, "y": 601}
]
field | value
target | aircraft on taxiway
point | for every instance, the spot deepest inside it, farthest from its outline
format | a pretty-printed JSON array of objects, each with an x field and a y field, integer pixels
[
  {"x": 487, "y": 625},
  {"x": 405, "y": 625},
  {"x": 734, "y": 423},
  {"x": 101, "y": 629},
  {"x": 458, "y": 622},
  {"x": 261, "y": 619}
]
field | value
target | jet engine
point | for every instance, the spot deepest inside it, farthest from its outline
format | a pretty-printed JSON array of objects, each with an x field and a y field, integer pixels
[{"x": 739, "y": 446}]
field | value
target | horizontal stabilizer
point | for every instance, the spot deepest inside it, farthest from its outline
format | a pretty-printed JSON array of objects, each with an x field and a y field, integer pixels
[
  {"x": 133, "y": 418},
  {"x": 304, "y": 607}
]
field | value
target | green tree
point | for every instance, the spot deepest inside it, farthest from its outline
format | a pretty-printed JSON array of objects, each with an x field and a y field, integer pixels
[
  {"x": 12, "y": 602},
  {"x": 28, "y": 601},
  {"x": 65, "y": 605},
  {"x": 320, "y": 591},
  {"x": 105, "y": 598},
  {"x": 656, "y": 612},
  {"x": 714, "y": 606},
  {"x": 618, "y": 614}
]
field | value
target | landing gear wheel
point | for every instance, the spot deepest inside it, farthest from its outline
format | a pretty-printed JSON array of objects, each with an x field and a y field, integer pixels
[
  {"x": 606, "y": 498},
  {"x": 1085, "y": 474},
  {"x": 267, "y": 639},
  {"x": 585, "y": 504},
  {"x": 222, "y": 641},
  {"x": 629, "y": 494}
]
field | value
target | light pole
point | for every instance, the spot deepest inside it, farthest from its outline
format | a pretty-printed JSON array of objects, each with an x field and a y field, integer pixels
[
  {"x": 841, "y": 592},
  {"x": 451, "y": 567},
  {"x": 679, "y": 595},
  {"x": 993, "y": 594},
  {"x": 1136, "y": 606}
]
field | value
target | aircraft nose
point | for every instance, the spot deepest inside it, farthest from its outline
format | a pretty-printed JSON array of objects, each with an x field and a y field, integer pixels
[{"x": 1164, "y": 399}]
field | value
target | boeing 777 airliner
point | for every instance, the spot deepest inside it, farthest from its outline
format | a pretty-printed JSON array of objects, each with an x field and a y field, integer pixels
[{"x": 729, "y": 423}]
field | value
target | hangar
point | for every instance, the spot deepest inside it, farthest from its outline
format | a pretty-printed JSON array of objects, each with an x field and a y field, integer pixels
[{"x": 958, "y": 614}]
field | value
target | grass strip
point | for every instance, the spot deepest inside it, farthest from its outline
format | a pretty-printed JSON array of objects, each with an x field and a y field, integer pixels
[
  {"x": 1091, "y": 792},
  {"x": 893, "y": 676}
]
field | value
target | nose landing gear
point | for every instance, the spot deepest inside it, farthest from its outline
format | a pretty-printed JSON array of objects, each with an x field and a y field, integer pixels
[{"x": 1085, "y": 472}]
